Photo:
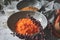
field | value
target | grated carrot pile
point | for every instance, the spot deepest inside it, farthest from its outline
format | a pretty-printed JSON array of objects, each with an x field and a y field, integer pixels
[{"x": 26, "y": 26}]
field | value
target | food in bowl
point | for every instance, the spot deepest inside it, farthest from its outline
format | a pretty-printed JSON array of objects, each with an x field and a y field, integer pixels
[
  {"x": 26, "y": 26},
  {"x": 29, "y": 8}
]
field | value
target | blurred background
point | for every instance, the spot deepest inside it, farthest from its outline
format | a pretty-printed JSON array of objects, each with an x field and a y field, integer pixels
[{"x": 8, "y": 7}]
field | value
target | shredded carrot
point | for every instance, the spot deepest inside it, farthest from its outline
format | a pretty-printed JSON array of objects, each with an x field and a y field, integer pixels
[{"x": 26, "y": 26}]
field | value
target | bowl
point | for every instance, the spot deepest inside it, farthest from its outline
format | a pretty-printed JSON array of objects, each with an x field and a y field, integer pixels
[{"x": 12, "y": 20}]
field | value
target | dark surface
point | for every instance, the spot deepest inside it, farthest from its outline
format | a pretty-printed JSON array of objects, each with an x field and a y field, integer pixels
[
  {"x": 54, "y": 0},
  {"x": 48, "y": 33}
]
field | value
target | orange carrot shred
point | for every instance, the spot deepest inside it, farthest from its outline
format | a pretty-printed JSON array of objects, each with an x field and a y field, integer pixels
[{"x": 26, "y": 26}]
